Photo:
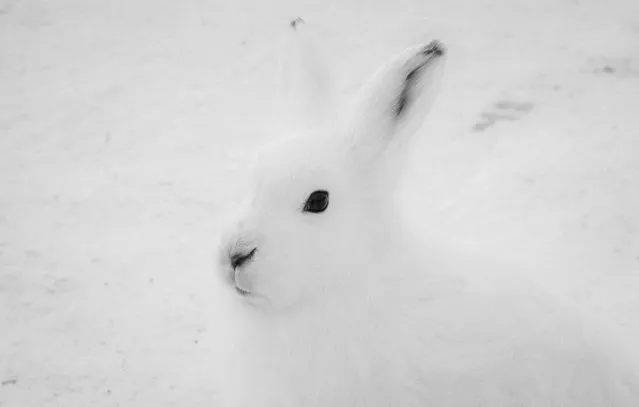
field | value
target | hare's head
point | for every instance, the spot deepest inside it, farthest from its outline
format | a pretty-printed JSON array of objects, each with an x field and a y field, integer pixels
[{"x": 317, "y": 219}]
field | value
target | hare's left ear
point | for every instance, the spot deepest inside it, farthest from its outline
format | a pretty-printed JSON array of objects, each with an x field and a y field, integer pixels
[
  {"x": 306, "y": 82},
  {"x": 396, "y": 101}
]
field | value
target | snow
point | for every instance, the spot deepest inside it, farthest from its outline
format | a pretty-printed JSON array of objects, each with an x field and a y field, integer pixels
[{"x": 124, "y": 126}]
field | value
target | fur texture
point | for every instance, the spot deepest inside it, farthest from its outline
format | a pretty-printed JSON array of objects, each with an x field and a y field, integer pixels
[{"x": 344, "y": 308}]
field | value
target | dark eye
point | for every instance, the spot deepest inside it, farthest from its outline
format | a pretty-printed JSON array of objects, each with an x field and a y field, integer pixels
[{"x": 317, "y": 202}]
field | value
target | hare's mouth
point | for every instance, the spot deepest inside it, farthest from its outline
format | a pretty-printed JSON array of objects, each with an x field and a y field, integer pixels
[
  {"x": 241, "y": 291},
  {"x": 241, "y": 282}
]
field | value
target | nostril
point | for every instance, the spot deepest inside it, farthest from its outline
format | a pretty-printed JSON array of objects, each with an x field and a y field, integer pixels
[
  {"x": 239, "y": 259},
  {"x": 435, "y": 47}
]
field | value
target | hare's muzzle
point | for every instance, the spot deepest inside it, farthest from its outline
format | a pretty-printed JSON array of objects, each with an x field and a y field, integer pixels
[{"x": 239, "y": 255}]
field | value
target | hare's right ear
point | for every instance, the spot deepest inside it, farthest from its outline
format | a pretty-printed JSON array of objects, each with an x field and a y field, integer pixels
[
  {"x": 306, "y": 88},
  {"x": 395, "y": 104}
]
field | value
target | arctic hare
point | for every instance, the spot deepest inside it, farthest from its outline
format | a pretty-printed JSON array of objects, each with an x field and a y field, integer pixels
[{"x": 333, "y": 303}]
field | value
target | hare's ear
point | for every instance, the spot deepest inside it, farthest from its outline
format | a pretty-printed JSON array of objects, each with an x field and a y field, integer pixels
[
  {"x": 306, "y": 88},
  {"x": 396, "y": 101}
]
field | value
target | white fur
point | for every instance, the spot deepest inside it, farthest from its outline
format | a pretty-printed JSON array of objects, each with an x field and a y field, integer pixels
[{"x": 347, "y": 310}]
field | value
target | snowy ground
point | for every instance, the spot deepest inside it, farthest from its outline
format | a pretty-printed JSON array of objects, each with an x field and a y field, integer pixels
[{"x": 123, "y": 125}]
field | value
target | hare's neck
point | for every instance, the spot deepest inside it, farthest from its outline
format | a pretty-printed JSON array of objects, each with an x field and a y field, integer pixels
[{"x": 335, "y": 322}]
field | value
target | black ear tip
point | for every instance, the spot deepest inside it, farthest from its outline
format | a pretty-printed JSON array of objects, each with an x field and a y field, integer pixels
[
  {"x": 296, "y": 21},
  {"x": 435, "y": 47}
]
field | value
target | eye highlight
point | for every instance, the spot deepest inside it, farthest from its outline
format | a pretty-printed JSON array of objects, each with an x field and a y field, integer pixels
[{"x": 317, "y": 202}]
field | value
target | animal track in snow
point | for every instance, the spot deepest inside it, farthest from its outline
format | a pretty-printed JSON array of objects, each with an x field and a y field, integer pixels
[
  {"x": 503, "y": 110},
  {"x": 619, "y": 67}
]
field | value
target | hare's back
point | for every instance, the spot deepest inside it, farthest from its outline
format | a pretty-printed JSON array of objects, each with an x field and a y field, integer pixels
[{"x": 494, "y": 342}]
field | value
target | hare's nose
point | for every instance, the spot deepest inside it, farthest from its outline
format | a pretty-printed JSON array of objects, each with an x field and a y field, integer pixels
[{"x": 239, "y": 258}]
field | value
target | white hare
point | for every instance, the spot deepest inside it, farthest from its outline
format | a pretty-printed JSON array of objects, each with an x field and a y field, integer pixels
[{"x": 332, "y": 302}]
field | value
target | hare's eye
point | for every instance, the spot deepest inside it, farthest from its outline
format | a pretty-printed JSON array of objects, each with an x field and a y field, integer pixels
[{"x": 317, "y": 202}]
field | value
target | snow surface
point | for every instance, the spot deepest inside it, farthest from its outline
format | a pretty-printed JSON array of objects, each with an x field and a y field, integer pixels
[{"x": 124, "y": 125}]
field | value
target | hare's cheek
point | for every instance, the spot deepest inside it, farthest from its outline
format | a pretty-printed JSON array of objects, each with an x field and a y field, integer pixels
[{"x": 278, "y": 276}]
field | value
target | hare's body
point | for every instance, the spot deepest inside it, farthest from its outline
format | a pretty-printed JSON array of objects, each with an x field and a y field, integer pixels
[
  {"x": 334, "y": 304},
  {"x": 425, "y": 336}
]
